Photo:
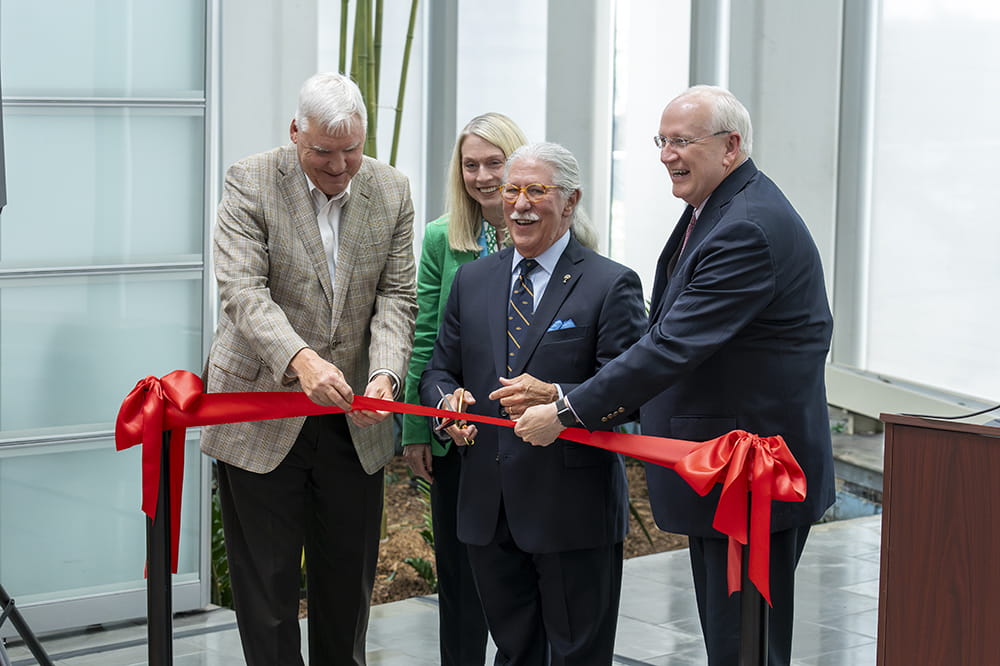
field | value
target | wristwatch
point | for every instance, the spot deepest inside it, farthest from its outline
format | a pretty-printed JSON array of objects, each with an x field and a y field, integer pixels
[{"x": 565, "y": 414}]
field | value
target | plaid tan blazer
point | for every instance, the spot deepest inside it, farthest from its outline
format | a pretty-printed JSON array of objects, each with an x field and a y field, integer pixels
[{"x": 277, "y": 297}]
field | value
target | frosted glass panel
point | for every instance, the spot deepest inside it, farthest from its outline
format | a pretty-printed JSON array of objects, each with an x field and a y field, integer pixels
[
  {"x": 934, "y": 273},
  {"x": 70, "y": 522},
  {"x": 74, "y": 347},
  {"x": 649, "y": 72},
  {"x": 493, "y": 76},
  {"x": 103, "y": 48},
  {"x": 102, "y": 186}
]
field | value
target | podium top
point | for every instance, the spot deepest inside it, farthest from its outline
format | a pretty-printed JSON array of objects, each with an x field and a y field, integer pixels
[{"x": 940, "y": 424}]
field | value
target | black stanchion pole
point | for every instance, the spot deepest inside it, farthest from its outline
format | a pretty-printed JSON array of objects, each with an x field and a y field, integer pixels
[
  {"x": 158, "y": 583},
  {"x": 753, "y": 620}
]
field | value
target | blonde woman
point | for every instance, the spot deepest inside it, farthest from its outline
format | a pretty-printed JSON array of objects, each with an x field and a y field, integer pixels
[{"x": 472, "y": 227}]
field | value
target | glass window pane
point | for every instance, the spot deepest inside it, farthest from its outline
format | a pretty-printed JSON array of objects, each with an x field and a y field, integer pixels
[
  {"x": 934, "y": 272},
  {"x": 71, "y": 523},
  {"x": 487, "y": 69},
  {"x": 103, "y": 48},
  {"x": 102, "y": 186},
  {"x": 74, "y": 347},
  {"x": 649, "y": 72}
]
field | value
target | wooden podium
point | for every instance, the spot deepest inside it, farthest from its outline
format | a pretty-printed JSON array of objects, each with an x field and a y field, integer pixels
[{"x": 939, "y": 590}]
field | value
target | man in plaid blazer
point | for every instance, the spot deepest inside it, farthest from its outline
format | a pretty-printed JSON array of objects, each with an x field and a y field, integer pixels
[{"x": 314, "y": 262}]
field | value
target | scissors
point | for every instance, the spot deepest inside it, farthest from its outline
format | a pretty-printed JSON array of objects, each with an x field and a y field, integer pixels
[{"x": 457, "y": 423}]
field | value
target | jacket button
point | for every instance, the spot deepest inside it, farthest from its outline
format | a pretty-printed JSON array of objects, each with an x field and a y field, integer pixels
[
  {"x": 503, "y": 412},
  {"x": 604, "y": 419}
]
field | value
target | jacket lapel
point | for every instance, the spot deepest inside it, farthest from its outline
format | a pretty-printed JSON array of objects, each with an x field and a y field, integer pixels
[
  {"x": 295, "y": 191},
  {"x": 562, "y": 281},
  {"x": 711, "y": 214},
  {"x": 719, "y": 200},
  {"x": 353, "y": 235},
  {"x": 665, "y": 264}
]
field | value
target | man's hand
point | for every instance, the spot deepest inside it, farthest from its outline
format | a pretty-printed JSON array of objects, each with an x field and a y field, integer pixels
[
  {"x": 379, "y": 387},
  {"x": 321, "y": 380},
  {"x": 519, "y": 393},
  {"x": 461, "y": 432},
  {"x": 539, "y": 426},
  {"x": 418, "y": 457}
]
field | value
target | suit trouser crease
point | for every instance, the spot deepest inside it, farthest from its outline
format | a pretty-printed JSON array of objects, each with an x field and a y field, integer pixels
[
  {"x": 461, "y": 622},
  {"x": 557, "y": 608},
  {"x": 720, "y": 613},
  {"x": 318, "y": 498}
]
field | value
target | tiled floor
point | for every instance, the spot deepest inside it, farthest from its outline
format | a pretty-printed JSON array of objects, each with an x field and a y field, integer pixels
[{"x": 836, "y": 616}]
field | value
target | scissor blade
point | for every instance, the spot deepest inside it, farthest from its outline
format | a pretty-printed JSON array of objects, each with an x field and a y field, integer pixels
[{"x": 444, "y": 422}]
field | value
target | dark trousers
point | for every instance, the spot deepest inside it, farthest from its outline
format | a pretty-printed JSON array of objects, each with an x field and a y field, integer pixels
[
  {"x": 720, "y": 613},
  {"x": 461, "y": 622},
  {"x": 552, "y": 608},
  {"x": 319, "y": 497}
]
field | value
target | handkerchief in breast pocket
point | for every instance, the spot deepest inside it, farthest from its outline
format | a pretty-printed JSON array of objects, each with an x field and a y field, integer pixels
[{"x": 559, "y": 325}]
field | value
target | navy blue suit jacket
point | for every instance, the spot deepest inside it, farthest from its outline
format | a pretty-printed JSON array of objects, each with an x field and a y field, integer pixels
[
  {"x": 565, "y": 496},
  {"x": 738, "y": 337}
]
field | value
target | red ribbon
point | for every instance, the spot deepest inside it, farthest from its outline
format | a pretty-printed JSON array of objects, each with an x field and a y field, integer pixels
[
  {"x": 142, "y": 419},
  {"x": 761, "y": 467}
]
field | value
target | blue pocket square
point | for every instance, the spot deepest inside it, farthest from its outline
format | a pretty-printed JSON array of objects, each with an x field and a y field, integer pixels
[{"x": 559, "y": 325}]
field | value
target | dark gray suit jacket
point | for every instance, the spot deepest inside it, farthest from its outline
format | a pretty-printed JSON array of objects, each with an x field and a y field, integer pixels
[
  {"x": 565, "y": 496},
  {"x": 738, "y": 338}
]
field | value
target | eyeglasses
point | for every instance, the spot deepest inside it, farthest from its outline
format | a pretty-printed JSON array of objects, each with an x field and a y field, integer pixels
[
  {"x": 533, "y": 193},
  {"x": 677, "y": 143}
]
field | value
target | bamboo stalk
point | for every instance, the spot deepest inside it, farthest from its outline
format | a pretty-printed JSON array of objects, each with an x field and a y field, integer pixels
[
  {"x": 357, "y": 48},
  {"x": 377, "y": 41},
  {"x": 344, "y": 8},
  {"x": 371, "y": 83},
  {"x": 402, "y": 82}
]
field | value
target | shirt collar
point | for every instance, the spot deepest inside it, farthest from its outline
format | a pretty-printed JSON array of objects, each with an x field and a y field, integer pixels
[
  {"x": 549, "y": 258},
  {"x": 701, "y": 206},
  {"x": 320, "y": 198}
]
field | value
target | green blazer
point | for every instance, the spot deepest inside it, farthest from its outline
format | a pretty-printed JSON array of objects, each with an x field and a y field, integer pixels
[{"x": 438, "y": 263}]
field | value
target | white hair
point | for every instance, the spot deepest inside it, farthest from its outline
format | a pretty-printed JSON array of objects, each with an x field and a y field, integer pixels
[
  {"x": 565, "y": 176},
  {"x": 728, "y": 113},
  {"x": 333, "y": 101}
]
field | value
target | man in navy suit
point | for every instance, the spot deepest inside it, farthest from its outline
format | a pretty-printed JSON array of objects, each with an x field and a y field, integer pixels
[
  {"x": 738, "y": 338},
  {"x": 544, "y": 526}
]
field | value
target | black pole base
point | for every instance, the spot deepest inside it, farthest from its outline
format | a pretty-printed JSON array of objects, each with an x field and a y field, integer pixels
[
  {"x": 158, "y": 584},
  {"x": 754, "y": 614}
]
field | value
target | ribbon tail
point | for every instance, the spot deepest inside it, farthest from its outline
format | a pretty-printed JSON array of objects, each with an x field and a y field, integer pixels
[
  {"x": 176, "y": 485},
  {"x": 152, "y": 449},
  {"x": 760, "y": 539}
]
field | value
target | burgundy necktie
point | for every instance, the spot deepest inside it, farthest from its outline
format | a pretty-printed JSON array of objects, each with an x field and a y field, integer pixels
[{"x": 687, "y": 233}]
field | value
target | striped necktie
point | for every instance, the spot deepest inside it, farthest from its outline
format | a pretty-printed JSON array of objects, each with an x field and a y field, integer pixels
[{"x": 520, "y": 309}]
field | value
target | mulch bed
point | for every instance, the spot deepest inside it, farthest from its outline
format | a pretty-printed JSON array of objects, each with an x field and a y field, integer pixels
[{"x": 405, "y": 509}]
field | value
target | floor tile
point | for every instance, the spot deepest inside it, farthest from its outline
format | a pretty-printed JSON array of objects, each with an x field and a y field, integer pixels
[{"x": 836, "y": 617}]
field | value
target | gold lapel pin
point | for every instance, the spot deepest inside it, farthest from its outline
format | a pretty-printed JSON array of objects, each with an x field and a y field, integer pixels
[{"x": 566, "y": 278}]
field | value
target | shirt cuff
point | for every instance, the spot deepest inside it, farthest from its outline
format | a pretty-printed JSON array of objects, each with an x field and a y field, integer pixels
[
  {"x": 393, "y": 377},
  {"x": 441, "y": 435},
  {"x": 573, "y": 411}
]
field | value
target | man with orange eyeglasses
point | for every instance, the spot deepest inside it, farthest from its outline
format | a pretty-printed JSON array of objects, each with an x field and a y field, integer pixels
[{"x": 544, "y": 527}]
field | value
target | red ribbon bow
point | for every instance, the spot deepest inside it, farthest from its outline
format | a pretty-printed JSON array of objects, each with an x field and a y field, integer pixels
[
  {"x": 142, "y": 419},
  {"x": 761, "y": 468},
  {"x": 744, "y": 463}
]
